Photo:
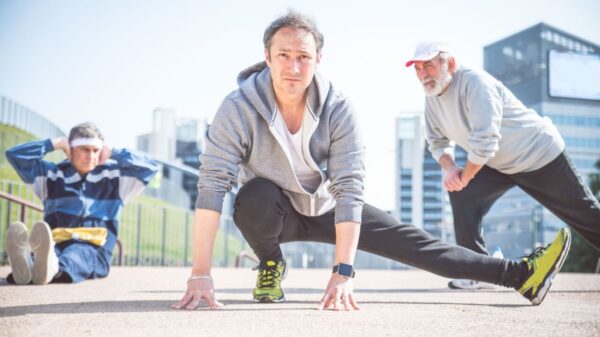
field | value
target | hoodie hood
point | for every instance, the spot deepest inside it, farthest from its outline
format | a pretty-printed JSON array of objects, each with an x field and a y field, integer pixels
[{"x": 256, "y": 85}]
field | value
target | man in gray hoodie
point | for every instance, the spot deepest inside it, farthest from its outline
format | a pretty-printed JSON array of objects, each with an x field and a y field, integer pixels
[
  {"x": 507, "y": 144},
  {"x": 292, "y": 142}
]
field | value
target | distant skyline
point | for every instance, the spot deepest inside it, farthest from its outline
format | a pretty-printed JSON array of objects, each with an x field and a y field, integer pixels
[{"x": 114, "y": 62}]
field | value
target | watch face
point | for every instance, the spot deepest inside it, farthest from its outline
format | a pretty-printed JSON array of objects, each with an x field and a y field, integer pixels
[{"x": 345, "y": 270}]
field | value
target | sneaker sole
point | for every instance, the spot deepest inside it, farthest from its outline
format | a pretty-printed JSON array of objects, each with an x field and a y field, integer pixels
[
  {"x": 20, "y": 262},
  {"x": 539, "y": 298},
  {"x": 478, "y": 286},
  {"x": 268, "y": 300},
  {"x": 40, "y": 241}
]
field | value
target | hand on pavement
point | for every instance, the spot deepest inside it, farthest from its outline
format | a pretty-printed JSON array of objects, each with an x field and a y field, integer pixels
[
  {"x": 339, "y": 294},
  {"x": 197, "y": 290}
]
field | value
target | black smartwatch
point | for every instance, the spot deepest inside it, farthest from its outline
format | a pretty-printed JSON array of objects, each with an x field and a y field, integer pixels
[{"x": 344, "y": 270}]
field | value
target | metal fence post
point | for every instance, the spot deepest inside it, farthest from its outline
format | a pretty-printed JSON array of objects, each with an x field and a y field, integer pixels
[
  {"x": 8, "y": 207},
  {"x": 3, "y": 230},
  {"x": 226, "y": 245},
  {"x": 186, "y": 238},
  {"x": 23, "y": 214},
  {"x": 164, "y": 237},
  {"x": 139, "y": 236}
]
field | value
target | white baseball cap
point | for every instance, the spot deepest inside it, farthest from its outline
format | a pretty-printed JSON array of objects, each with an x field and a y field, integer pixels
[{"x": 428, "y": 50}]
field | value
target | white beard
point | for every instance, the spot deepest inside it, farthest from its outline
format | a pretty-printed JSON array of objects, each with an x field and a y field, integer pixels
[{"x": 442, "y": 80}]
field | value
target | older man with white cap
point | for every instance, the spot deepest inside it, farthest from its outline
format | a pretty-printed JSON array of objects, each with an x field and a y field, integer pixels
[
  {"x": 507, "y": 144},
  {"x": 82, "y": 198}
]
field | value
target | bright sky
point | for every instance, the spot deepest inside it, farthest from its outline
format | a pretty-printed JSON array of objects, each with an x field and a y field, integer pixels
[{"x": 114, "y": 61}]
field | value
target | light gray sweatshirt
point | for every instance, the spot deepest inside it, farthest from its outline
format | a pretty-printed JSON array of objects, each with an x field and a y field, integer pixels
[
  {"x": 481, "y": 115},
  {"x": 242, "y": 143}
]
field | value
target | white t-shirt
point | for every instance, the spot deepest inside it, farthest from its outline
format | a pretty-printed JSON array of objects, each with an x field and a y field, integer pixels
[{"x": 308, "y": 177}]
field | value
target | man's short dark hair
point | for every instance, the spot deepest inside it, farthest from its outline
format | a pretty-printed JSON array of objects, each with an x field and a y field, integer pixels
[
  {"x": 296, "y": 20},
  {"x": 85, "y": 130}
]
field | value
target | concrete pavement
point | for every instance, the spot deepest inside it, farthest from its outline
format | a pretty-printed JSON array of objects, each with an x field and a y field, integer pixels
[{"x": 135, "y": 301}]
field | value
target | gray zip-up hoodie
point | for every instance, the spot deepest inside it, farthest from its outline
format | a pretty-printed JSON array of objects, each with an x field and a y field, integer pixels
[{"x": 243, "y": 143}]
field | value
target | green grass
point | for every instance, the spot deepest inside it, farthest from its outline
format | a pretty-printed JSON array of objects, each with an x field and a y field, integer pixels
[
  {"x": 11, "y": 136},
  {"x": 165, "y": 235},
  {"x": 7, "y": 173}
]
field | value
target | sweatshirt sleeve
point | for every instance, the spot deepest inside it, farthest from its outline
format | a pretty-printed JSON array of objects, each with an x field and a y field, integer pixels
[
  {"x": 346, "y": 165},
  {"x": 136, "y": 171},
  {"x": 226, "y": 144},
  {"x": 27, "y": 160},
  {"x": 437, "y": 142},
  {"x": 483, "y": 106}
]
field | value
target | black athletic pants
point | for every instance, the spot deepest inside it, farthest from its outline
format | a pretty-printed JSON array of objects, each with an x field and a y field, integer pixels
[
  {"x": 266, "y": 218},
  {"x": 556, "y": 186}
]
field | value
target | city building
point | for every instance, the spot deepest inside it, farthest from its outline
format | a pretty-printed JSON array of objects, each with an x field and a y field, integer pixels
[
  {"x": 176, "y": 144},
  {"x": 558, "y": 75},
  {"x": 160, "y": 143},
  {"x": 421, "y": 199}
]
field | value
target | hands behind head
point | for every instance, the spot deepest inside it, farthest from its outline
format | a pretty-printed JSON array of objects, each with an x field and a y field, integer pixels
[
  {"x": 105, "y": 153},
  {"x": 62, "y": 143}
]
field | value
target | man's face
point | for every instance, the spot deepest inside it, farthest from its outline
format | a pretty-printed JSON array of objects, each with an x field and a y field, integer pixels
[
  {"x": 434, "y": 75},
  {"x": 293, "y": 60},
  {"x": 85, "y": 158}
]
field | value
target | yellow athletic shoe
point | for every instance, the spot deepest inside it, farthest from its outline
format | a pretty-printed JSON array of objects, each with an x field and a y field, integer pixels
[
  {"x": 543, "y": 264},
  {"x": 268, "y": 283}
]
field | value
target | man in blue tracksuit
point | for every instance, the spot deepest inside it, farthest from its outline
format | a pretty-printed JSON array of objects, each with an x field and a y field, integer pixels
[{"x": 82, "y": 198}]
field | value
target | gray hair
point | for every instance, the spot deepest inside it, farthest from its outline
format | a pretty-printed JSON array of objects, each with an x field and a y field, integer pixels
[
  {"x": 296, "y": 20},
  {"x": 445, "y": 56},
  {"x": 85, "y": 130}
]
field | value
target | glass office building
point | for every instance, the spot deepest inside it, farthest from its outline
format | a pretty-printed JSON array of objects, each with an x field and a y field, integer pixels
[
  {"x": 558, "y": 75},
  {"x": 421, "y": 199}
]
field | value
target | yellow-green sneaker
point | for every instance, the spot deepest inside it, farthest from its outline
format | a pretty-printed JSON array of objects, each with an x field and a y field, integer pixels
[
  {"x": 543, "y": 264},
  {"x": 268, "y": 283}
]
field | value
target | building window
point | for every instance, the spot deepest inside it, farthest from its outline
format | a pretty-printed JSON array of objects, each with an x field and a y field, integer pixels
[
  {"x": 592, "y": 143},
  {"x": 518, "y": 55}
]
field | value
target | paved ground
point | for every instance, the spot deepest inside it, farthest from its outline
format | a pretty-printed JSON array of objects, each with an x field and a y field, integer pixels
[{"x": 136, "y": 302}]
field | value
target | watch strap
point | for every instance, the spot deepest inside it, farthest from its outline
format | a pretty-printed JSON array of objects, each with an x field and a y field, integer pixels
[{"x": 336, "y": 270}]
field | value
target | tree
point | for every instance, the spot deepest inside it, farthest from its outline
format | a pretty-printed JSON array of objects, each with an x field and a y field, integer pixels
[{"x": 583, "y": 257}]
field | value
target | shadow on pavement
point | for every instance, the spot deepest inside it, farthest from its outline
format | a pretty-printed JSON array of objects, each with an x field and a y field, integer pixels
[
  {"x": 165, "y": 306},
  {"x": 368, "y": 291}
]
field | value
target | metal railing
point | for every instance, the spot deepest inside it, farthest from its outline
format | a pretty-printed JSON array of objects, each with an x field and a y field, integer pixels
[
  {"x": 151, "y": 233},
  {"x": 26, "y": 204}
]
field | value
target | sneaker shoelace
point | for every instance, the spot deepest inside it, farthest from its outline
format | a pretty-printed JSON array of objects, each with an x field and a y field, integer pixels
[
  {"x": 267, "y": 276},
  {"x": 536, "y": 253}
]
